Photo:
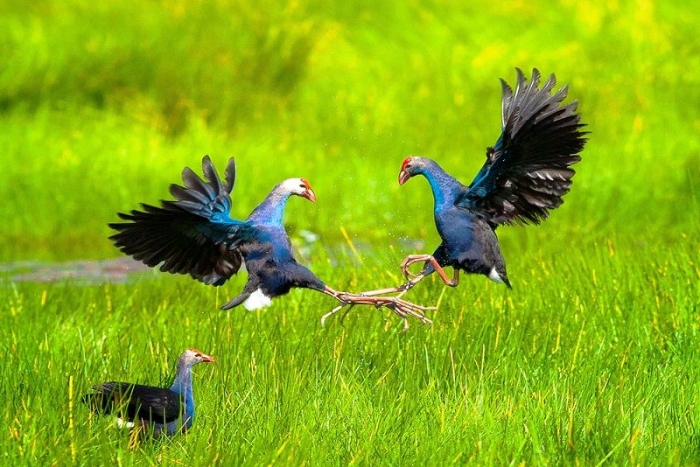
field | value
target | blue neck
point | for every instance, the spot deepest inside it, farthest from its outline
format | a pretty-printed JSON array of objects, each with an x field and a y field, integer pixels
[
  {"x": 445, "y": 187},
  {"x": 271, "y": 210},
  {"x": 183, "y": 386}
]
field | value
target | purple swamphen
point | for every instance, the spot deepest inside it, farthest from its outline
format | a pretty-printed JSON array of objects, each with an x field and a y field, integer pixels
[
  {"x": 196, "y": 235},
  {"x": 155, "y": 411},
  {"x": 525, "y": 175}
]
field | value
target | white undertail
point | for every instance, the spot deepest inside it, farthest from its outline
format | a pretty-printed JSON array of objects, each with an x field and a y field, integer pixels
[
  {"x": 495, "y": 276},
  {"x": 257, "y": 300},
  {"x": 121, "y": 423}
]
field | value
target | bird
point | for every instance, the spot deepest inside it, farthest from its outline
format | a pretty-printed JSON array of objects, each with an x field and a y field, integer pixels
[
  {"x": 524, "y": 177},
  {"x": 154, "y": 410},
  {"x": 196, "y": 235}
]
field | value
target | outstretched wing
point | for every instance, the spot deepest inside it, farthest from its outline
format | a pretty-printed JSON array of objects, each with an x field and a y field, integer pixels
[
  {"x": 135, "y": 401},
  {"x": 528, "y": 170},
  {"x": 193, "y": 235}
]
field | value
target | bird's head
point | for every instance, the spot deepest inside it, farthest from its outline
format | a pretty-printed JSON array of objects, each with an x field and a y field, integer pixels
[
  {"x": 193, "y": 356},
  {"x": 411, "y": 166},
  {"x": 300, "y": 187}
]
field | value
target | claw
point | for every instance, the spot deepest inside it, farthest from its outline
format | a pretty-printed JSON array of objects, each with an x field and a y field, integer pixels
[
  {"x": 331, "y": 313},
  {"x": 409, "y": 261},
  {"x": 400, "y": 307}
]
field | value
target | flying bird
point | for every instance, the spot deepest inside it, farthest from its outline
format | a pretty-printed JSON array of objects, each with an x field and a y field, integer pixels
[
  {"x": 525, "y": 175},
  {"x": 196, "y": 235},
  {"x": 155, "y": 411}
]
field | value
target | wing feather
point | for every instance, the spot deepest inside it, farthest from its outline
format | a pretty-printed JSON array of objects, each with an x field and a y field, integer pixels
[
  {"x": 136, "y": 401},
  {"x": 194, "y": 234},
  {"x": 528, "y": 170}
]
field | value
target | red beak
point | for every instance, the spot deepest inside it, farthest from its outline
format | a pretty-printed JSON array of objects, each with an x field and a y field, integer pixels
[
  {"x": 310, "y": 195},
  {"x": 207, "y": 359},
  {"x": 403, "y": 176}
]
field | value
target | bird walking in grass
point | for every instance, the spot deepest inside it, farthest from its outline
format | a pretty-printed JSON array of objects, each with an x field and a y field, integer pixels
[
  {"x": 525, "y": 175},
  {"x": 152, "y": 410},
  {"x": 196, "y": 235}
]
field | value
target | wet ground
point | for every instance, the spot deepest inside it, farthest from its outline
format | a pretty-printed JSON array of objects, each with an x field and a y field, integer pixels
[
  {"x": 120, "y": 270},
  {"x": 117, "y": 270}
]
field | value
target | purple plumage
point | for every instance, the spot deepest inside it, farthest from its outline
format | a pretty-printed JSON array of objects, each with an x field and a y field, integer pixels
[
  {"x": 157, "y": 411},
  {"x": 525, "y": 175},
  {"x": 195, "y": 235}
]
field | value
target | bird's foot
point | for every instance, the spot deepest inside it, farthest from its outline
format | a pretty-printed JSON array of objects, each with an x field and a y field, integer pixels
[
  {"x": 400, "y": 307},
  {"x": 334, "y": 311},
  {"x": 409, "y": 261},
  {"x": 430, "y": 265}
]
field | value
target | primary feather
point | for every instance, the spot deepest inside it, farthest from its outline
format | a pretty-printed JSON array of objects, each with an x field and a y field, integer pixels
[
  {"x": 525, "y": 175},
  {"x": 527, "y": 171}
]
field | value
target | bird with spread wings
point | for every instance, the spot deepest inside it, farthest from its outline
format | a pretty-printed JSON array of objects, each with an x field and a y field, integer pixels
[{"x": 196, "y": 235}]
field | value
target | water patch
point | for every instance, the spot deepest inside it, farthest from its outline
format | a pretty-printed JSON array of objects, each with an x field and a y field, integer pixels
[
  {"x": 85, "y": 272},
  {"x": 123, "y": 269}
]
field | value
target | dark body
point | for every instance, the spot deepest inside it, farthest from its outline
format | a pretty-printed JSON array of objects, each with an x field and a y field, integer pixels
[
  {"x": 526, "y": 174},
  {"x": 196, "y": 235},
  {"x": 157, "y": 411}
]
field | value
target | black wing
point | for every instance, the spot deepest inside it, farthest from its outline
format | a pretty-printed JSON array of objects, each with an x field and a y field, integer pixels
[
  {"x": 194, "y": 235},
  {"x": 528, "y": 170},
  {"x": 135, "y": 401}
]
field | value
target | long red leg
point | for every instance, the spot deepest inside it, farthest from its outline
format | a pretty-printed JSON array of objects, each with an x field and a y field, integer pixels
[
  {"x": 411, "y": 259},
  {"x": 402, "y": 308},
  {"x": 415, "y": 278}
]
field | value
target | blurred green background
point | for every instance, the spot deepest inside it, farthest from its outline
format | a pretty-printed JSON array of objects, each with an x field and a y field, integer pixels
[
  {"x": 591, "y": 358},
  {"x": 101, "y": 105}
]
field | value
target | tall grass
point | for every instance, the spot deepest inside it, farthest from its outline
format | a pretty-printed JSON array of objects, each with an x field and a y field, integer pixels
[
  {"x": 580, "y": 374},
  {"x": 591, "y": 358}
]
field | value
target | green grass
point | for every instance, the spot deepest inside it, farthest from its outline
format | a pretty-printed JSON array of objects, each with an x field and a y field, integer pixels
[{"x": 591, "y": 359}]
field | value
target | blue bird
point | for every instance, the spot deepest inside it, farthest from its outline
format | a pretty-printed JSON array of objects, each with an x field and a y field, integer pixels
[
  {"x": 156, "y": 411},
  {"x": 196, "y": 235},
  {"x": 525, "y": 175}
]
